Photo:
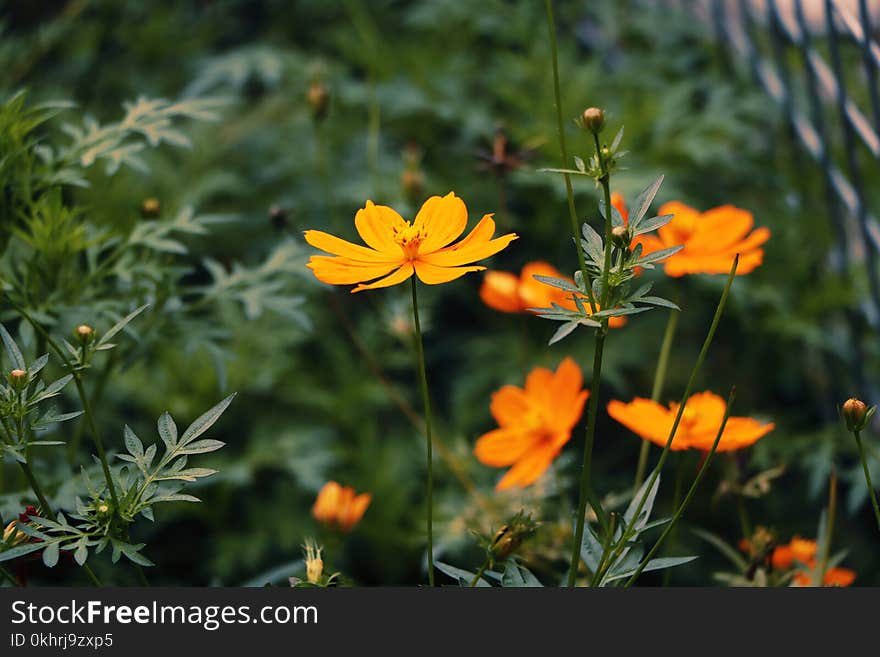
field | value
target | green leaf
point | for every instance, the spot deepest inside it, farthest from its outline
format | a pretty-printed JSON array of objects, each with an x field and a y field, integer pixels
[
  {"x": 121, "y": 324},
  {"x": 81, "y": 553},
  {"x": 20, "y": 551},
  {"x": 12, "y": 349},
  {"x": 463, "y": 577},
  {"x": 659, "y": 301},
  {"x": 652, "y": 224},
  {"x": 643, "y": 202},
  {"x": 649, "y": 496},
  {"x": 201, "y": 446},
  {"x": 204, "y": 421},
  {"x": 659, "y": 255},
  {"x": 661, "y": 563},
  {"x": 559, "y": 283},
  {"x": 724, "y": 548},
  {"x": 517, "y": 576},
  {"x": 50, "y": 554},
  {"x": 562, "y": 332},
  {"x": 132, "y": 443},
  {"x": 167, "y": 430}
]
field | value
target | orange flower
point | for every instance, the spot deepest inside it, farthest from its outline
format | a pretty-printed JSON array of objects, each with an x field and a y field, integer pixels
[
  {"x": 698, "y": 427},
  {"x": 534, "y": 423},
  {"x": 338, "y": 506},
  {"x": 799, "y": 550},
  {"x": 510, "y": 293},
  {"x": 618, "y": 202},
  {"x": 396, "y": 248},
  {"x": 711, "y": 240}
]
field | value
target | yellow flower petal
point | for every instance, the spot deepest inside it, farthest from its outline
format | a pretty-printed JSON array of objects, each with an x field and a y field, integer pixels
[
  {"x": 394, "y": 278},
  {"x": 441, "y": 220},
  {"x": 342, "y": 271},
  {"x": 433, "y": 275},
  {"x": 376, "y": 225},
  {"x": 340, "y": 247}
]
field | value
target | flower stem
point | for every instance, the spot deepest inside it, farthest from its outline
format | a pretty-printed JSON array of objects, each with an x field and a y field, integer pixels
[
  {"x": 426, "y": 400},
  {"x": 829, "y": 527},
  {"x": 687, "y": 498},
  {"x": 84, "y": 398},
  {"x": 871, "y": 492},
  {"x": 8, "y": 576},
  {"x": 627, "y": 533},
  {"x": 585, "y": 487},
  {"x": 657, "y": 391},
  {"x": 551, "y": 25},
  {"x": 479, "y": 573}
]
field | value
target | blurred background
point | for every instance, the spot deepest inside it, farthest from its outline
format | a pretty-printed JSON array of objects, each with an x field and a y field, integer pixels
[{"x": 770, "y": 106}]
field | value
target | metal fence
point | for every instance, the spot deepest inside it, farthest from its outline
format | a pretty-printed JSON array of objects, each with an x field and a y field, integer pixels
[{"x": 819, "y": 60}]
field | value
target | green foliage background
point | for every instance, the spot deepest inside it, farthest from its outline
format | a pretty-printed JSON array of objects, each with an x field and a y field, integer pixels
[{"x": 246, "y": 316}]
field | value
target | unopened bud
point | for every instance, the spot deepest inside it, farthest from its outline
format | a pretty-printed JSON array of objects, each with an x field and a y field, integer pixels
[
  {"x": 84, "y": 332},
  {"x": 594, "y": 119},
  {"x": 314, "y": 563},
  {"x": 17, "y": 377},
  {"x": 508, "y": 539},
  {"x": 150, "y": 208},
  {"x": 856, "y": 414},
  {"x": 620, "y": 236},
  {"x": 318, "y": 97}
]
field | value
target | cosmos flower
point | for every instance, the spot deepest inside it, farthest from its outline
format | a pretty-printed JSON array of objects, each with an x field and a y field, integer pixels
[
  {"x": 397, "y": 249},
  {"x": 338, "y": 506},
  {"x": 534, "y": 423},
  {"x": 698, "y": 427}
]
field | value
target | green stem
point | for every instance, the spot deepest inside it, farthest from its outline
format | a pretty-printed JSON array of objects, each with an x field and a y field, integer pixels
[
  {"x": 41, "y": 498},
  {"x": 829, "y": 528},
  {"x": 84, "y": 398},
  {"x": 657, "y": 391},
  {"x": 551, "y": 25},
  {"x": 8, "y": 576},
  {"x": 91, "y": 575},
  {"x": 627, "y": 534},
  {"x": 426, "y": 400},
  {"x": 744, "y": 524},
  {"x": 604, "y": 296},
  {"x": 479, "y": 574},
  {"x": 585, "y": 487},
  {"x": 873, "y": 495},
  {"x": 687, "y": 498}
]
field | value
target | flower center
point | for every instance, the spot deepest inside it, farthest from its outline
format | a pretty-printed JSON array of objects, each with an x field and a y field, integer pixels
[{"x": 409, "y": 238}]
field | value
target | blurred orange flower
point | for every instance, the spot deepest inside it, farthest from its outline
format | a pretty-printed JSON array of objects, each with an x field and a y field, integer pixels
[
  {"x": 711, "y": 240},
  {"x": 534, "y": 423},
  {"x": 510, "y": 293},
  {"x": 396, "y": 249},
  {"x": 338, "y": 506},
  {"x": 802, "y": 552},
  {"x": 698, "y": 427}
]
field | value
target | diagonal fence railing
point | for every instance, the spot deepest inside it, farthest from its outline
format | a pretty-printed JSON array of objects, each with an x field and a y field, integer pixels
[{"x": 819, "y": 60}]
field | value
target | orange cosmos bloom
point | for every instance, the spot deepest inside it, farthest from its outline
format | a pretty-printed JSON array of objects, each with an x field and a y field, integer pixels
[
  {"x": 711, "y": 240},
  {"x": 338, "y": 506},
  {"x": 396, "y": 248},
  {"x": 833, "y": 577},
  {"x": 533, "y": 423},
  {"x": 698, "y": 427},
  {"x": 510, "y": 293}
]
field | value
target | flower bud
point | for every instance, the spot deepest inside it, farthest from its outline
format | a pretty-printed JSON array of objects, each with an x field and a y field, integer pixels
[
  {"x": 314, "y": 563},
  {"x": 150, "y": 208},
  {"x": 318, "y": 97},
  {"x": 84, "y": 333},
  {"x": 508, "y": 539},
  {"x": 594, "y": 119},
  {"x": 17, "y": 378},
  {"x": 620, "y": 237},
  {"x": 12, "y": 535},
  {"x": 856, "y": 414}
]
